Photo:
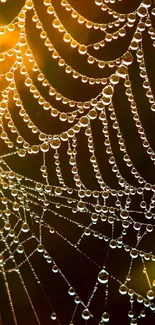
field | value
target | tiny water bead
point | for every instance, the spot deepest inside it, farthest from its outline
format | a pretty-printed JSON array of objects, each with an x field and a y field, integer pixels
[
  {"x": 130, "y": 314},
  {"x": 122, "y": 71},
  {"x": 40, "y": 248},
  {"x": 150, "y": 294},
  {"x": 134, "y": 253},
  {"x": 103, "y": 276},
  {"x": 105, "y": 317},
  {"x": 25, "y": 227},
  {"x": 108, "y": 91},
  {"x": 71, "y": 291},
  {"x": 20, "y": 249},
  {"x": 127, "y": 58},
  {"x": 84, "y": 121},
  {"x": 53, "y": 316},
  {"x": 124, "y": 214},
  {"x": 82, "y": 49},
  {"x": 123, "y": 289},
  {"x": 86, "y": 314},
  {"x": 77, "y": 300}
]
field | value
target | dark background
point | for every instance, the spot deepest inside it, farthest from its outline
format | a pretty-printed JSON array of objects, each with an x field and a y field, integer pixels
[{"x": 80, "y": 271}]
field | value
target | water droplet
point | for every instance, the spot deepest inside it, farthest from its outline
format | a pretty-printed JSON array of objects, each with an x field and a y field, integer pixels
[
  {"x": 103, "y": 276},
  {"x": 86, "y": 314}
]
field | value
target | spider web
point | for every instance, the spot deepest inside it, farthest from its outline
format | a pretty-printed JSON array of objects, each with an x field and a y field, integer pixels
[{"x": 76, "y": 198}]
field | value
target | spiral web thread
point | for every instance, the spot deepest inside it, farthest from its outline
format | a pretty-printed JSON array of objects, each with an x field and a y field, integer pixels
[{"x": 25, "y": 202}]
